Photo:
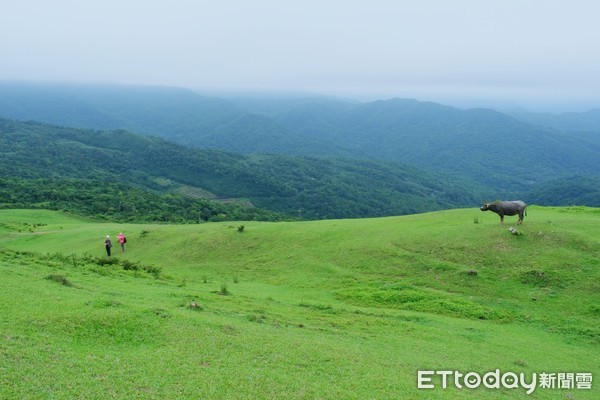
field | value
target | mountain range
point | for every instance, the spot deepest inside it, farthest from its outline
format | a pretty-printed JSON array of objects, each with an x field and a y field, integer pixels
[
  {"x": 485, "y": 152},
  {"x": 313, "y": 188}
]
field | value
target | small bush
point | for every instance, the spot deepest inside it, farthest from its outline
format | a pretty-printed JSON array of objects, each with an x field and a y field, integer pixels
[
  {"x": 130, "y": 266},
  {"x": 59, "y": 279},
  {"x": 224, "y": 291},
  {"x": 152, "y": 270},
  {"x": 126, "y": 265},
  {"x": 106, "y": 261},
  {"x": 241, "y": 228},
  {"x": 257, "y": 318},
  {"x": 595, "y": 310}
]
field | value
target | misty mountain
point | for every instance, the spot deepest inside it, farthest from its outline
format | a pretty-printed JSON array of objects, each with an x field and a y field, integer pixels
[
  {"x": 487, "y": 146},
  {"x": 584, "y": 125},
  {"x": 275, "y": 106},
  {"x": 151, "y": 110},
  {"x": 505, "y": 154},
  {"x": 568, "y": 191},
  {"x": 566, "y": 121},
  {"x": 306, "y": 187},
  {"x": 176, "y": 114},
  {"x": 251, "y": 133}
]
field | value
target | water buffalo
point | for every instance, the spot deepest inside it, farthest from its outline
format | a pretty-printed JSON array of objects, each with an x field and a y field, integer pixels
[{"x": 503, "y": 208}]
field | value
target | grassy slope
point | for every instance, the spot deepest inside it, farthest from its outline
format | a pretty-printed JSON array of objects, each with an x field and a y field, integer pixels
[{"x": 326, "y": 309}]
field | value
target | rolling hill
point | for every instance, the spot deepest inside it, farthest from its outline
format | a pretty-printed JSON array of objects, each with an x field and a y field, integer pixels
[
  {"x": 487, "y": 146},
  {"x": 308, "y": 188},
  {"x": 177, "y": 114},
  {"x": 315, "y": 309},
  {"x": 581, "y": 123},
  {"x": 509, "y": 156}
]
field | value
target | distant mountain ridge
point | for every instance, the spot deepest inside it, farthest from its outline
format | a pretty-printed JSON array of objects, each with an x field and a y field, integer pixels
[
  {"x": 588, "y": 121},
  {"x": 309, "y": 188},
  {"x": 487, "y": 146},
  {"x": 585, "y": 125},
  {"x": 507, "y": 154}
]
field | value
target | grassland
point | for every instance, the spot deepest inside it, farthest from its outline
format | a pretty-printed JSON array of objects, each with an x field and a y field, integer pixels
[{"x": 340, "y": 309}]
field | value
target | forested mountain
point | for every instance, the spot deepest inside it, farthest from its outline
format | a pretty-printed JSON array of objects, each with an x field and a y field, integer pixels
[
  {"x": 566, "y": 121},
  {"x": 108, "y": 198},
  {"x": 251, "y": 133},
  {"x": 176, "y": 114},
  {"x": 487, "y": 146},
  {"x": 300, "y": 187},
  {"x": 509, "y": 156},
  {"x": 573, "y": 190},
  {"x": 584, "y": 125}
]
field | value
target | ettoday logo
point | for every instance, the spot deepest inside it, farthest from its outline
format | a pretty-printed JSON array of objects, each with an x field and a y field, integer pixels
[{"x": 508, "y": 380}]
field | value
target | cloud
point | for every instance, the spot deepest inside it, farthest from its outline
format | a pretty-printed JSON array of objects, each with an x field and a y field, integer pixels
[{"x": 465, "y": 46}]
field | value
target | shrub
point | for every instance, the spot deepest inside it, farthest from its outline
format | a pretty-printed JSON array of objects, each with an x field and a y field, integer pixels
[
  {"x": 152, "y": 270},
  {"x": 105, "y": 261},
  {"x": 224, "y": 291},
  {"x": 130, "y": 266},
  {"x": 59, "y": 279},
  {"x": 126, "y": 265},
  {"x": 257, "y": 318}
]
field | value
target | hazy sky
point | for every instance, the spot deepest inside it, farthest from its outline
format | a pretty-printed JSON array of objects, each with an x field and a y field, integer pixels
[{"x": 519, "y": 50}]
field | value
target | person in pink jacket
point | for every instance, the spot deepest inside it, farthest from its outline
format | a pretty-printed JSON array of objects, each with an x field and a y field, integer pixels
[{"x": 122, "y": 241}]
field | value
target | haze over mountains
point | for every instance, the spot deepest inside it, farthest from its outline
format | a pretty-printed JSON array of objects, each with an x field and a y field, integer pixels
[{"x": 487, "y": 153}]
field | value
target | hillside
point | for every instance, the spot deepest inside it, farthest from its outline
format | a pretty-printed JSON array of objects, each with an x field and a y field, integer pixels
[
  {"x": 152, "y": 110},
  {"x": 177, "y": 114},
  {"x": 308, "y": 188},
  {"x": 321, "y": 309},
  {"x": 509, "y": 156},
  {"x": 583, "y": 124},
  {"x": 484, "y": 145}
]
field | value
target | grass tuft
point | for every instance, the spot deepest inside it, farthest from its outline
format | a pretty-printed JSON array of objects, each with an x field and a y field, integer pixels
[
  {"x": 59, "y": 279},
  {"x": 224, "y": 291}
]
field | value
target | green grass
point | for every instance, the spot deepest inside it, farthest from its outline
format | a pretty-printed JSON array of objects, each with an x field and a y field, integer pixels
[{"x": 340, "y": 309}]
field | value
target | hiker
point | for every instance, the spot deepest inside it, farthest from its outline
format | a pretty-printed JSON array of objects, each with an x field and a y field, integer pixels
[
  {"x": 108, "y": 245},
  {"x": 122, "y": 241}
]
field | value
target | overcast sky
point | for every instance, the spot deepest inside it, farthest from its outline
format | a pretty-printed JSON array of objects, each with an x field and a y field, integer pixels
[{"x": 519, "y": 50}]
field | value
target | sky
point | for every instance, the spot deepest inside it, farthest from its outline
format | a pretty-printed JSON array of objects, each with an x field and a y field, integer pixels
[{"x": 534, "y": 53}]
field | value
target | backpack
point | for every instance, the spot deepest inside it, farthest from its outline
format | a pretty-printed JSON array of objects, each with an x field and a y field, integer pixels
[{"x": 124, "y": 239}]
